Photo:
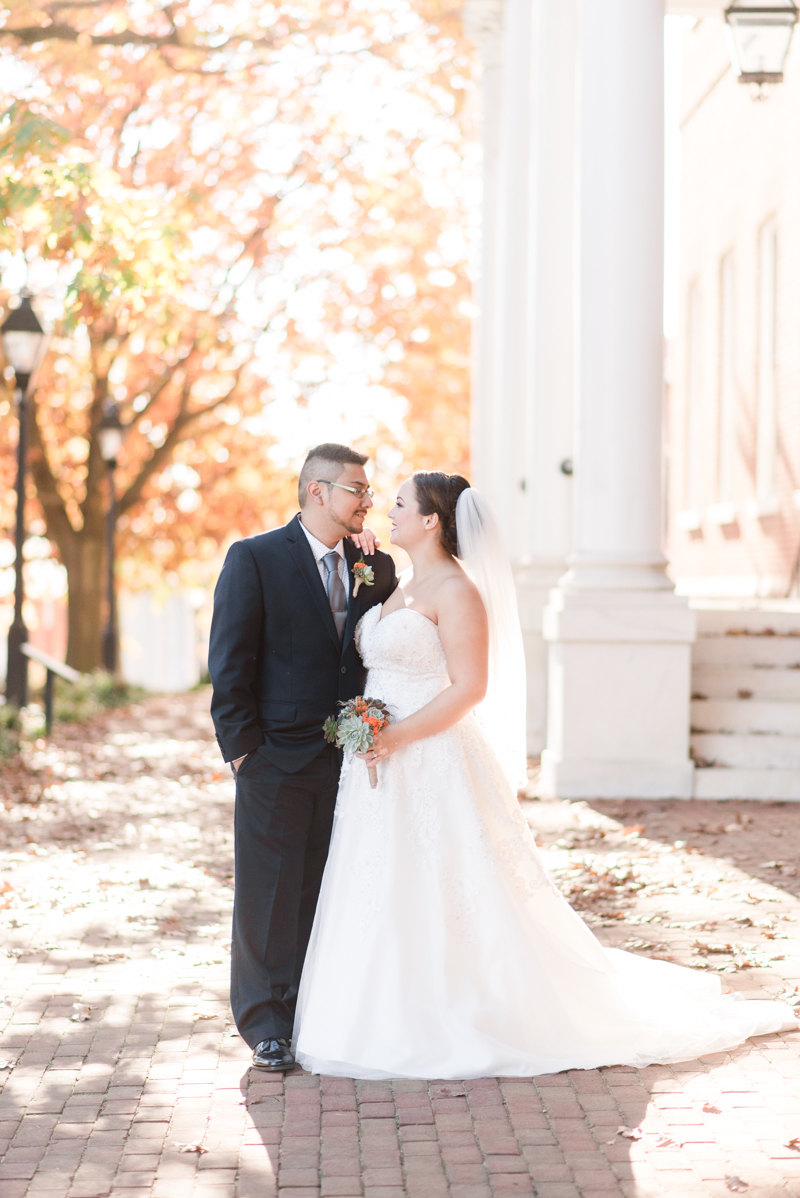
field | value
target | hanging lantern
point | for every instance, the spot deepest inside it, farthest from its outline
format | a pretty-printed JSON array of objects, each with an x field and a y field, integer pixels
[{"x": 759, "y": 35}]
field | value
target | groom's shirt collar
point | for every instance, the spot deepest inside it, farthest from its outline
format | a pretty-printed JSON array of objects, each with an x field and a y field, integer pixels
[{"x": 319, "y": 550}]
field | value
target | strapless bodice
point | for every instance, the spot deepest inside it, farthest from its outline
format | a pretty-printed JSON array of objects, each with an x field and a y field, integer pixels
[{"x": 406, "y": 665}]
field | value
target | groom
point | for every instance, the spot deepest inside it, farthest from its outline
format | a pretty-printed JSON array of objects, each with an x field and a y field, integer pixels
[{"x": 281, "y": 654}]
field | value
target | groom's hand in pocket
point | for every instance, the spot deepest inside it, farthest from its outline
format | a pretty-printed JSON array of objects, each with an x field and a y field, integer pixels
[{"x": 366, "y": 541}]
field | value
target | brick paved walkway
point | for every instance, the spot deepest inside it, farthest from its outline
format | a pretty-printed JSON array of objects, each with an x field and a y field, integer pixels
[{"x": 115, "y": 896}]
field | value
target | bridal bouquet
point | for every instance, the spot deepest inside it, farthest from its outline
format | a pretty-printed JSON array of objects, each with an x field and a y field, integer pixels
[{"x": 354, "y": 728}]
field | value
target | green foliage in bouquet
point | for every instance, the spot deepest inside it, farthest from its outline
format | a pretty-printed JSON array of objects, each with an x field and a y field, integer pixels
[{"x": 354, "y": 728}]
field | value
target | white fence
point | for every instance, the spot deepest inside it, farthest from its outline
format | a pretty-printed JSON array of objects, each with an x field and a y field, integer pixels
[{"x": 161, "y": 643}]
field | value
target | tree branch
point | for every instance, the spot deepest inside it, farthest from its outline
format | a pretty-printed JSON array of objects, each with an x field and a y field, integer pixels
[
  {"x": 164, "y": 380},
  {"x": 176, "y": 434},
  {"x": 59, "y": 525},
  {"x": 79, "y": 4},
  {"x": 28, "y": 35}
]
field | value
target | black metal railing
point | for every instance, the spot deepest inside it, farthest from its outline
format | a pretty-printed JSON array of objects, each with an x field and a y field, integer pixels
[{"x": 53, "y": 667}]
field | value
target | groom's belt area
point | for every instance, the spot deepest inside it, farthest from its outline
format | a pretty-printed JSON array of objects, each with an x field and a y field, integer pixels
[
  {"x": 291, "y": 718},
  {"x": 278, "y": 711}
]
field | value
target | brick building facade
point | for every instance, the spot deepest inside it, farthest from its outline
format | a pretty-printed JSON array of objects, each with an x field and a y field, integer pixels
[{"x": 733, "y": 376}]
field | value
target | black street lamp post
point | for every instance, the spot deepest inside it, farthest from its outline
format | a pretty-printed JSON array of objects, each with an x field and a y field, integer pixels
[
  {"x": 110, "y": 432},
  {"x": 23, "y": 340}
]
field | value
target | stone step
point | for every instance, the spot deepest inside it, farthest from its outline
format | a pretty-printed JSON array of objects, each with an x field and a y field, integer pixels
[
  {"x": 775, "y": 785},
  {"x": 725, "y": 682},
  {"x": 779, "y": 617},
  {"x": 771, "y": 652},
  {"x": 746, "y": 715},
  {"x": 747, "y": 750}
]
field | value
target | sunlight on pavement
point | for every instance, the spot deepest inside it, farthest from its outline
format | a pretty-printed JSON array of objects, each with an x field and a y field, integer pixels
[{"x": 121, "y": 1072}]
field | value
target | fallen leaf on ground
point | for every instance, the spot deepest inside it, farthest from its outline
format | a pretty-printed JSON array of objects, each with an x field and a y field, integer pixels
[
  {"x": 710, "y": 1109},
  {"x": 794, "y": 1144},
  {"x": 82, "y": 1012},
  {"x": 736, "y": 1184},
  {"x": 630, "y": 1133},
  {"x": 5, "y": 1063},
  {"x": 170, "y": 923},
  {"x": 203, "y": 1015},
  {"x": 700, "y": 946},
  {"x": 193, "y": 1146},
  {"x": 666, "y": 1141}
]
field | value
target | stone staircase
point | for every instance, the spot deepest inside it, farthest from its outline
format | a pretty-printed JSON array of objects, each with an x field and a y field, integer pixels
[{"x": 746, "y": 699}]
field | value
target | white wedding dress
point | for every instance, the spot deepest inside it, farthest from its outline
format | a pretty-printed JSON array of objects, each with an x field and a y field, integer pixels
[{"x": 441, "y": 948}]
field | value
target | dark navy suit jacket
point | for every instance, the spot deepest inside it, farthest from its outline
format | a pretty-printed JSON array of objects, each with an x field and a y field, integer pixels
[{"x": 274, "y": 656}]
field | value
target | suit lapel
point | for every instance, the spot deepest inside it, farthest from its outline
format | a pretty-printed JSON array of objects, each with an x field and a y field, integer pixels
[
  {"x": 351, "y": 554},
  {"x": 304, "y": 559}
]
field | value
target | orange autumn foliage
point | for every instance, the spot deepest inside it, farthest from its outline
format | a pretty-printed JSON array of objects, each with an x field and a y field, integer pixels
[{"x": 215, "y": 221}]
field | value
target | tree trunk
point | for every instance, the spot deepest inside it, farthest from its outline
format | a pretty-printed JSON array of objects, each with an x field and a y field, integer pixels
[{"x": 87, "y": 585}]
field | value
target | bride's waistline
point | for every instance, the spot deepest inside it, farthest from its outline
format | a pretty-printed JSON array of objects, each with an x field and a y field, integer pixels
[{"x": 375, "y": 671}]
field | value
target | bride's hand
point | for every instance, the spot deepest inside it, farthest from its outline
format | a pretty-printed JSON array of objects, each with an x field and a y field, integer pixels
[
  {"x": 386, "y": 742},
  {"x": 365, "y": 540}
]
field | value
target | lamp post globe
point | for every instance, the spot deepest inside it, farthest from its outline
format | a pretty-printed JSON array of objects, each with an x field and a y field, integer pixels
[
  {"x": 759, "y": 33},
  {"x": 23, "y": 338},
  {"x": 110, "y": 435},
  {"x": 23, "y": 342}
]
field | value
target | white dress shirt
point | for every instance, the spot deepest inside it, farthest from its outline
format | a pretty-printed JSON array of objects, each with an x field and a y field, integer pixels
[{"x": 319, "y": 550}]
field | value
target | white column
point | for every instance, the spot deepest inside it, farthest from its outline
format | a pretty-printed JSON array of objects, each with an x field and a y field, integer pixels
[
  {"x": 483, "y": 22},
  {"x": 549, "y": 340},
  {"x": 512, "y": 315},
  {"x": 522, "y": 396},
  {"x": 620, "y": 639}
]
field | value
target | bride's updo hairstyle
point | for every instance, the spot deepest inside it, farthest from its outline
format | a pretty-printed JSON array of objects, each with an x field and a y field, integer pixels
[{"x": 437, "y": 494}]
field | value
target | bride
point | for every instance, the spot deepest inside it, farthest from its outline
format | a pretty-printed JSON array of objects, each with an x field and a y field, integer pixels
[{"x": 440, "y": 946}]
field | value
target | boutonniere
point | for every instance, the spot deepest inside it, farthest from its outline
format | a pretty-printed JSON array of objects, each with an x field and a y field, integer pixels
[{"x": 363, "y": 573}]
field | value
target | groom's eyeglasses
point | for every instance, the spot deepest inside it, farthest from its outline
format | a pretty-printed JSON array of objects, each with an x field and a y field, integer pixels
[{"x": 361, "y": 492}]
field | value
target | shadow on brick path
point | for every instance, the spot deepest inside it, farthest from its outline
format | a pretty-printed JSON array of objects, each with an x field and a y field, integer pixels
[{"x": 115, "y": 1033}]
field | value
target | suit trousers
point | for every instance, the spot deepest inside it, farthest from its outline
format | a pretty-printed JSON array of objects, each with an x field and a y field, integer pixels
[{"x": 282, "y": 832}]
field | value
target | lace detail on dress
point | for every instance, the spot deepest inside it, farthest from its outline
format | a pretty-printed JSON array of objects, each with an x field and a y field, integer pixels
[{"x": 407, "y": 668}]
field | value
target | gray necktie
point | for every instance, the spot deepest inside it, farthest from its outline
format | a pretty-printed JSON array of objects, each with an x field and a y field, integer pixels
[{"x": 336, "y": 592}]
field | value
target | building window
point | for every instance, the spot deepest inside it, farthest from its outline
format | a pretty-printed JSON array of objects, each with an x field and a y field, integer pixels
[
  {"x": 767, "y": 427},
  {"x": 694, "y": 349},
  {"x": 726, "y": 445}
]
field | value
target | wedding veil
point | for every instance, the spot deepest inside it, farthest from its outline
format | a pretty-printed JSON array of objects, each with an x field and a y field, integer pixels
[{"x": 502, "y": 713}]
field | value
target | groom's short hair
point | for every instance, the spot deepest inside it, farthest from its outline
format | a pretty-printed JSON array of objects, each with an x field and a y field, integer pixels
[{"x": 328, "y": 459}]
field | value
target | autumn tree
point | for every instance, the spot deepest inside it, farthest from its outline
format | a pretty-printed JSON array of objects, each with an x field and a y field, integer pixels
[{"x": 220, "y": 220}]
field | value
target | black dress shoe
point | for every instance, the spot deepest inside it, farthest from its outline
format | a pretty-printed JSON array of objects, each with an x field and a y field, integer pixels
[{"x": 273, "y": 1054}]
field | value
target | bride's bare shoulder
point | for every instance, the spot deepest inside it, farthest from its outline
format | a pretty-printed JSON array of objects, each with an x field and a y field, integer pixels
[{"x": 457, "y": 593}]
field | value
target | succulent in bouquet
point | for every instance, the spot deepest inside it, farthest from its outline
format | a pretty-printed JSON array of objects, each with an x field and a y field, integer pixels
[{"x": 354, "y": 728}]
